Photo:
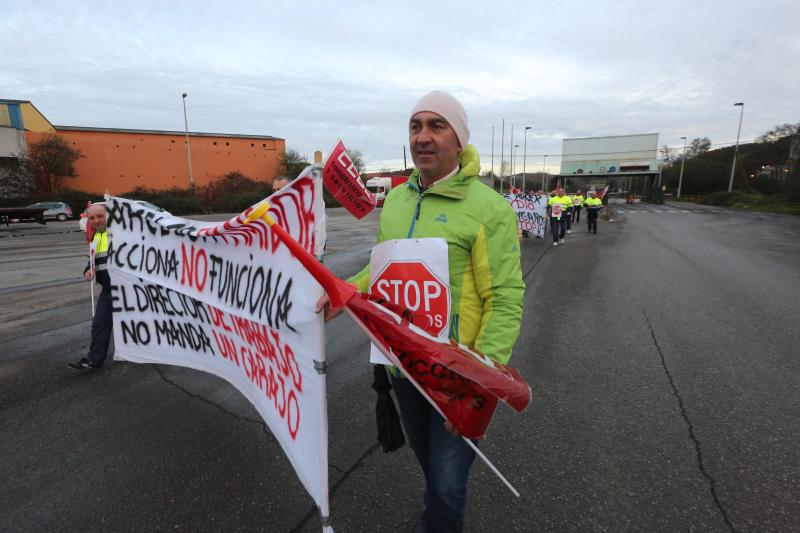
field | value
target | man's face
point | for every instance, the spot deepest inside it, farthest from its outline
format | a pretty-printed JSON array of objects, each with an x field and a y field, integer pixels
[
  {"x": 97, "y": 217},
  {"x": 434, "y": 145},
  {"x": 279, "y": 184}
]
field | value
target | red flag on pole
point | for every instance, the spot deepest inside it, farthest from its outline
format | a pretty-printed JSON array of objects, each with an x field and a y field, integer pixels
[
  {"x": 343, "y": 181},
  {"x": 602, "y": 193},
  {"x": 464, "y": 384}
]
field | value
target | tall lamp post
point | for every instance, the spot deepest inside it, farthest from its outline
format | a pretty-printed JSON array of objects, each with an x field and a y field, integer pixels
[
  {"x": 511, "y": 147},
  {"x": 524, "y": 157},
  {"x": 188, "y": 148},
  {"x": 502, "y": 154},
  {"x": 544, "y": 166},
  {"x": 513, "y": 169},
  {"x": 492, "y": 157},
  {"x": 683, "y": 160},
  {"x": 736, "y": 151}
]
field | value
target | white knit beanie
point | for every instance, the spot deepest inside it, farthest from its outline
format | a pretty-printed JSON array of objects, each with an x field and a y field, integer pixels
[{"x": 446, "y": 106}]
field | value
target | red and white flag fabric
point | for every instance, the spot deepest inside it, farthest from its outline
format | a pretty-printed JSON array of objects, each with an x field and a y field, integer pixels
[
  {"x": 603, "y": 193},
  {"x": 229, "y": 298},
  {"x": 463, "y": 383},
  {"x": 345, "y": 184}
]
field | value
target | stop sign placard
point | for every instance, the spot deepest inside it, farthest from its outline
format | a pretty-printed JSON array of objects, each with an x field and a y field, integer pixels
[{"x": 412, "y": 285}]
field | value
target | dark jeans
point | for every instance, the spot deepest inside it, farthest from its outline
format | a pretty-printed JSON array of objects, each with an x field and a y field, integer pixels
[
  {"x": 577, "y": 214},
  {"x": 445, "y": 459},
  {"x": 591, "y": 217},
  {"x": 101, "y": 329},
  {"x": 568, "y": 219},
  {"x": 555, "y": 228}
]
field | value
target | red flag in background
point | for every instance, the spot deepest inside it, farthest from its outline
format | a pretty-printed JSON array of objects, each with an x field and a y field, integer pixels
[
  {"x": 464, "y": 384},
  {"x": 602, "y": 193},
  {"x": 343, "y": 181},
  {"x": 514, "y": 190}
]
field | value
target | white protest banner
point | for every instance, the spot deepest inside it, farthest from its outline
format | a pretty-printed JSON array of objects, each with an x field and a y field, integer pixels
[
  {"x": 531, "y": 210},
  {"x": 229, "y": 298}
]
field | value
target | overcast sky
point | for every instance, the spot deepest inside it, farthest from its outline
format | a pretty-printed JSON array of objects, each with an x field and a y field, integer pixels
[{"x": 311, "y": 72}]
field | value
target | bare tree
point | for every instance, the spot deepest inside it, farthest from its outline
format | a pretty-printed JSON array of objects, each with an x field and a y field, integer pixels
[
  {"x": 666, "y": 155},
  {"x": 779, "y": 132},
  {"x": 292, "y": 163},
  {"x": 52, "y": 161},
  {"x": 358, "y": 160},
  {"x": 698, "y": 146}
]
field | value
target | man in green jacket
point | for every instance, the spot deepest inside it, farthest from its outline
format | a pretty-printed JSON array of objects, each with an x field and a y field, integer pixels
[{"x": 443, "y": 198}]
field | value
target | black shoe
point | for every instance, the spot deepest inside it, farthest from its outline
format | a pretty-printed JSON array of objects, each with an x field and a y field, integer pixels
[{"x": 82, "y": 364}]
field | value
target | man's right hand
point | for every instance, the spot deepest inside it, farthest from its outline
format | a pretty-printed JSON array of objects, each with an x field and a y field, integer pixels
[
  {"x": 324, "y": 303},
  {"x": 88, "y": 275}
]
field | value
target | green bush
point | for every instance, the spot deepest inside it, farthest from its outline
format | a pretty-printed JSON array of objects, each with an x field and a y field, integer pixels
[
  {"x": 76, "y": 199},
  {"x": 724, "y": 198},
  {"x": 770, "y": 203}
]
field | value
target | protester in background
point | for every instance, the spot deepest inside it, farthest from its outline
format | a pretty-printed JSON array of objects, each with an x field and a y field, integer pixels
[
  {"x": 566, "y": 199},
  {"x": 279, "y": 183},
  {"x": 577, "y": 203},
  {"x": 593, "y": 207},
  {"x": 102, "y": 322},
  {"x": 555, "y": 211},
  {"x": 444, "y": 199}
]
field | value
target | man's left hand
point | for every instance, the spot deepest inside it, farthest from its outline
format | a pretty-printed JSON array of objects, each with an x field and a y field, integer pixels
[{"x": 451, "y": 428}]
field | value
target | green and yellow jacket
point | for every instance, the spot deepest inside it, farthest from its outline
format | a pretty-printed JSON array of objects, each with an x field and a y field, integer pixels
[{"x": 486, "y": 287}]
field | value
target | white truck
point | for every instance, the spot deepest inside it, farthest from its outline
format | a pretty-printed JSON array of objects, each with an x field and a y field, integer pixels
[{"x": 381, "y": 185}]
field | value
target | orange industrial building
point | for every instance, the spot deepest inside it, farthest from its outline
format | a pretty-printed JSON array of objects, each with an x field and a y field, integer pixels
[{"x": 119, "y": 160}]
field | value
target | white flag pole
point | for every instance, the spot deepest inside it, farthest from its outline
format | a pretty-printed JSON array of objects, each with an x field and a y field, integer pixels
[
  {"x": 321, "y": 366},
  {"x": 391, "y": 357},
  {"x": 93, "y": 272}
]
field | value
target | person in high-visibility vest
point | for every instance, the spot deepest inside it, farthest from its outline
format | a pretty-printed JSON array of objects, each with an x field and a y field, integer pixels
[
  {"x": 555, "y": 210},
  {"x": 96, "y": 271},
  {"x": 566, "y": 200},
  {"x": 577, "y": 203},
  {"x": 593, "y": 206}
]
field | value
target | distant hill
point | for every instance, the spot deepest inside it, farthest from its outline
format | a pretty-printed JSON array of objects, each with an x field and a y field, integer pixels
[{"x": 761, "y": 166}]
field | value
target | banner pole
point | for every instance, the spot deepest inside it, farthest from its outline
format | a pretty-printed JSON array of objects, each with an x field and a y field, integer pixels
[
  {"x": 391, "y": 357},
  {"x": 91, "y": 293},
  {"x": 321, "y": 366}
]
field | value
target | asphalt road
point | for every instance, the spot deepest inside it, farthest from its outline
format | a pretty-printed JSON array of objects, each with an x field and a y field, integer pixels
[{"x": 662, "y": 354}]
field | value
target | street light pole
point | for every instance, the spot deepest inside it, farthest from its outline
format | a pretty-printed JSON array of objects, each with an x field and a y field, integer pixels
[
  {"x": 511, "y": 179},
  {"x": 502, "y": 154},
  {"x": 544, "y": 166},
  {"x": 524, "y": 158},
  {"x": 683, "y": 160},
  {"x": 736, "y": 150},
  {"x": 492, "y": 157},
  {"x": 514, "y": 149},
  {"x": 188, "y": 148}
]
